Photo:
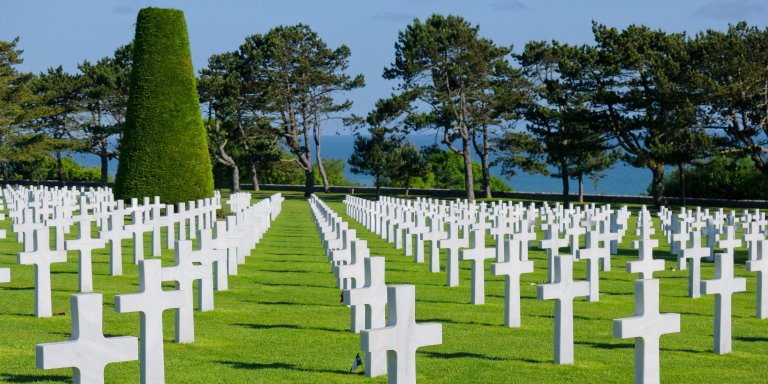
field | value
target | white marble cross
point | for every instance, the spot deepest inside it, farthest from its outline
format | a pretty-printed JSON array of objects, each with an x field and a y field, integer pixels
[
  {"x": 151, "y": 301},
  {"x": 87, "y": 351},
  {"x": 677, "y": 239},
  {"x": 25, "y": 230},
  {"x": 552, "y": 244},
  {"x": 373, "y": 295},
  {"x": 525, "y": 236},
  {"x": 477, "y": 254},
  {"x": 137, "y": 229},
  {"x": 695, "y": 253},
  {"x": 712, "y": 232},
  {"x": 84, "y": 245},
  {"x": 156, "y": 223},
  {"x": 115, "y": 235},
  {"x": 563, "y": 290},
  {"x": 453, "y": 243},
  {"x": 353, "y": 275},
  {"x": 184, "y": 272},
  {"x": 593, "y": 253},
  {"x": 433, "y": 235},
  {"x": 751, "y": 236},
  {"x": 60, "y": 223},
  {"x": 402, "y": 335},
  {"x": 573, "y": 233},
  {"x": 646, "y": 265},
  {"x": 511, "y": 268},
  {"x": 760, "y": 265},
  {"x": 42, "y": 257},
  {"x": 723, "y": 286},
  {"x": 207, "y": 253},
  {"x": 222, "y": 240},
  {"x": 730, "y": 242},
  {"x": 646, "y": 327}
]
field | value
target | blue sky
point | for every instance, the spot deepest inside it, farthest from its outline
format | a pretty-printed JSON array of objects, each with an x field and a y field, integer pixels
[{"x": 58, "y": 32}]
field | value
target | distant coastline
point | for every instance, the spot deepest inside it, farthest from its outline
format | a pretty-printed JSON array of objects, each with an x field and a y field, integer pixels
[{"x": 622, "y": 179}]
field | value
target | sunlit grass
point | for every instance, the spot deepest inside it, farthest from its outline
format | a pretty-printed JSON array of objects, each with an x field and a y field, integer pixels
[{"x": 281, "y": 321}]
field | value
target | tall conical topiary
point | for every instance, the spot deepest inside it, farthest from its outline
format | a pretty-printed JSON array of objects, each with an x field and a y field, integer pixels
[{"x": 164, "y": 150}]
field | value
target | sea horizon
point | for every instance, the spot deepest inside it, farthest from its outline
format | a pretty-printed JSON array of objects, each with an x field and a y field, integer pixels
[{"x": 621, "y": 179}]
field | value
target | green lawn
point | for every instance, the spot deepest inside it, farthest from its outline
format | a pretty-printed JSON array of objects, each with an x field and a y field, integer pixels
[{"x": 281, "y": 321}]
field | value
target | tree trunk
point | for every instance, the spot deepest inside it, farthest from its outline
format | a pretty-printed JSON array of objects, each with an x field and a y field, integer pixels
[
  {"x": 310, "y": 182},
  {"x": 657, "y": 184},
  {"x": 321, "y": 169},
  {"x": 104, "y": 155},
  {"x": 378, "y": 185},
  {"x": 319, "y": 159},
  {"x": 255, "y": 176},
  {"x": 581, "y": 187},
  {"x": 469, "y": 180},
  {"x": 407, "y": 186},
  {"x": 4, "y": 167},
  {"x": 564, "y": 177},
  {"x": 486, "y": 174},
  {"x": 60, "y": 166},
  {"x": 224, "y": 158},
  {"x": 235, "y": 178},
  {"x": 681, "y": 175}
]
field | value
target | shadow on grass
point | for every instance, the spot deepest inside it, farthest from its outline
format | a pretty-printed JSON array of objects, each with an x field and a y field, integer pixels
[
  {"x": 11, "y": 378},
  {"x": 299, "y": 304},
  {"x": 752, "y": 339},
  {"x": 286, "y": 366},
  {"x": 289, "y": 326},
  {"x": 462, "y": 355},
  {"x": 449, "y": 321},
  {"x": 608, "y": 346},
  {"x": 294, "y": 261},
  {"x": 287, "y": 271},
  {"x": 299, "y": 285},
  {"x": 17, "y": 288},
  {"x": 685, "y": 350},
  {"x": 443, "y": 301}
]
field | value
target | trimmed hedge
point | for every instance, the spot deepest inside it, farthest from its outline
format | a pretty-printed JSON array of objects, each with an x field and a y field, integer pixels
[{"x": 164, "y": 151}]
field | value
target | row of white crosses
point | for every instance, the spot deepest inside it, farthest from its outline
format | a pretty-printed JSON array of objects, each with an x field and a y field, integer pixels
[
  {"x": 389, "y": 346},
  {"x": 5, "y": 273},
  {"x": 34, "y": 228},
  {"x": 648, "y": 324},
  {"x": 604, "y": 229},
  {"x": 719, "y": 229},
  {"x": 88, "y": 351}
]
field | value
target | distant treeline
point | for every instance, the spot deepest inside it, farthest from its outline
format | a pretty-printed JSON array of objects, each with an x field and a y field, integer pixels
[{"x": 646, "y": 97}]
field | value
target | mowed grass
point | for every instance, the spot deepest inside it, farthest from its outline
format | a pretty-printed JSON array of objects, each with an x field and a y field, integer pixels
[{"x": 281, "y": 320}]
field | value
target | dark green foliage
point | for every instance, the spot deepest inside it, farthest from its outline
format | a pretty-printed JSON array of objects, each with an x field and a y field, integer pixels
[
  {"x": 288, "y": 171},
  {"x": 722, "y": 178},
  {"x": 560, "y": 116},
  {"x": 164, "y": 151},
  {"x": 406, "y": 164},
  {"x": 47, "y": 169},
  {"x": 18, "y": 106},
  {"x": 447, "y": 171},
  {"x": 103, "y": 97},
  {"x": 58, "y": 99},
  {"x": 372, "y": 154},
  {"x": 452, "y": 78},
  {"x": 733, "y": 66},
  {"x": 295, "y": 81}
]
